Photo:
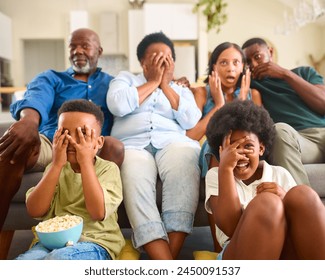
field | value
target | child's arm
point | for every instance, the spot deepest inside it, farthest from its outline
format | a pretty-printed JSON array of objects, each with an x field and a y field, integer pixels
[
  {"x": 226, "y": 206},
  {"x": 39, "y": 200},
  {"x": 93, "y": 192},
  {"x": 86, "y": 152}
]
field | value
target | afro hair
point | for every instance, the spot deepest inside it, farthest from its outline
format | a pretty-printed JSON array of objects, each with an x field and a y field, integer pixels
[{"x": 240, "y": 115}]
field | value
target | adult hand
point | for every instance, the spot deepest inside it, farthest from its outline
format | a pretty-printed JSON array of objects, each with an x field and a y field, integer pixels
[
  {"x": 245, "y": 85},
  {"x": 20, "y": 141},
  {"x": 215, "y": 88},
  {"x": 153, "y": 69},
  {"x": 169, "y": 67},
  {"x": 271, "y": 187},
  {"x": 268, "y": 69},
  {"x": 60, "y": 144},
  {"x": 182, "y": 81}
]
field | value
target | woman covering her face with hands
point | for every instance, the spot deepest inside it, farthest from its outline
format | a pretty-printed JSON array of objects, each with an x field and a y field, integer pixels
[{"x": 152, "y": 114}]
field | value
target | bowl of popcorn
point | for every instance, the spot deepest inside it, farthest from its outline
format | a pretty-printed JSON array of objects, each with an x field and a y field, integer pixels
[{"x": 59, "y": 231}]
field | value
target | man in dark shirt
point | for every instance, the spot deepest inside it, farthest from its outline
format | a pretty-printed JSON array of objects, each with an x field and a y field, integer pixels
[{"x": 295, "y": 100}]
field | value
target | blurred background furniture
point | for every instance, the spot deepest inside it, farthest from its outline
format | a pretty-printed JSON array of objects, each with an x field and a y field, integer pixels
[{"x": 11, "y": 94}]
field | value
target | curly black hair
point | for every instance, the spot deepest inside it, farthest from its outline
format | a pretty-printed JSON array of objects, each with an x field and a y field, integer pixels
[
  {"x": 240, "y": 115},
  {"x": 157, "y": 37},
  {"x": 84, "y": 106}
]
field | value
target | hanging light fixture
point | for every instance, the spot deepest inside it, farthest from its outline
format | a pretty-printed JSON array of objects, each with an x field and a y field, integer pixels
[
  {"x": 136, "y": 4},
  {"x": 306, "y": 11}
]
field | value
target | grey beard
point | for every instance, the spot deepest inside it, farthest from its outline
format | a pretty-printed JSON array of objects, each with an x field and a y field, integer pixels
[{"x": 81, "y": 70}]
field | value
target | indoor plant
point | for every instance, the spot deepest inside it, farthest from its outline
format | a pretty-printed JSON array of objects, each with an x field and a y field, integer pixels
[{"x": 214, "y": 10}]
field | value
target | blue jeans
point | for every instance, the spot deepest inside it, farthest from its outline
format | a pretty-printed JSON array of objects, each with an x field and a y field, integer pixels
[
  {"x": 220, "y": 255},
  {"x": 205, "y": 158},
  {"x": 79, "y": 251},
  {"x": 178, "y": 169}
]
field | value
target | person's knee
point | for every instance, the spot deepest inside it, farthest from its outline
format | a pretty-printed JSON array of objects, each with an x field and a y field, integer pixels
[
  {"x": 119, "y": 149},
  {"x": 112, "y": 150},
  {"x": 284, "y": 131},
  {"x": 267, "y": 210},
  {"x": 301, "y": 197},
  {"x": 179, "y": 160},
  {"x": 285, "y": 138}
]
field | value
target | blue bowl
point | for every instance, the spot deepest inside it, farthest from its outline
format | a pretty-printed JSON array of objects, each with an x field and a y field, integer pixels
[{"x": 62, "y": 238}]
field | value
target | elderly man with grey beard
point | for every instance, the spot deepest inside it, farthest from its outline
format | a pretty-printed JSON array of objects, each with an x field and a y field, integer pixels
[{"x": 27, "y": 144}]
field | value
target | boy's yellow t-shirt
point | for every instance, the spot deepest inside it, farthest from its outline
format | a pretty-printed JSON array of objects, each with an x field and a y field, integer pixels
[{"x": 69, "y": 199}]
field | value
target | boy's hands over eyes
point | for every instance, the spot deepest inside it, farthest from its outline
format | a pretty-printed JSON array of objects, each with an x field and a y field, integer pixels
[
  {"x": 87, "y": 147},
  {"x": 60, "y": 144}
]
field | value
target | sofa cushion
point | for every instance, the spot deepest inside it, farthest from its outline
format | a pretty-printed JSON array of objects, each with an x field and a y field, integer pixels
[
  {"x": 29, "y": 180},
  {"x": 316, "y": 175},
  {"x": 23, "y": 221}
]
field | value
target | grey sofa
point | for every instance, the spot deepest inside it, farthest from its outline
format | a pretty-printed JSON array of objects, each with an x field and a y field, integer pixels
[{"x": 18, "y": 219}]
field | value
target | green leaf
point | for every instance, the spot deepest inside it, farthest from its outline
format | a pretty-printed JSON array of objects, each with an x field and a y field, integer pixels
[{"x": 214, "y": 11}]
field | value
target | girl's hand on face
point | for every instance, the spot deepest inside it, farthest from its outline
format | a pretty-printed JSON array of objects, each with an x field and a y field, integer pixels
[
  {"x": 59, "y": 148},
  {"x": 271, "y": 187},
  {"x": 87, "y": 147},
  {"x": 169, "y": 67},
  {"x": 230, "y": 154},
  {"x": 245, "y": 85},
  {"x": 153, "y": 68}
]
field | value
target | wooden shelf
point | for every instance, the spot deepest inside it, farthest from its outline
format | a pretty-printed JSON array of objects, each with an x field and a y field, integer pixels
[{"x": 10, "y": 90}]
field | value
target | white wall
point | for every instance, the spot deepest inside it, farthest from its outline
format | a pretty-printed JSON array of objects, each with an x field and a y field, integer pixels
[
  {"x": 258, "y": 18},
  {"x": 5, "y": 37},
  {"x": 48, "y": 19}
]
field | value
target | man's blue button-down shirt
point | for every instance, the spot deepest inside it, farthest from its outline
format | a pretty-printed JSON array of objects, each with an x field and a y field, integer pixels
[{"x": 47, "y": 91}]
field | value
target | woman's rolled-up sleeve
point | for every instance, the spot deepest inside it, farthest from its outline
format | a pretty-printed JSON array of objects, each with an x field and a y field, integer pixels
[
  {"x": 188, "y": 114},
  {"x": 122, "y": 97}
]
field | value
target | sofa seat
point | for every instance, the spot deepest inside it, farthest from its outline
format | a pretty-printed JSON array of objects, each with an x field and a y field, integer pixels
[{"x": 18, "y": 219}]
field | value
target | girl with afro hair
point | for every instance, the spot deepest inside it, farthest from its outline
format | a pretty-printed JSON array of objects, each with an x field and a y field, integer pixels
[{"x": 258, "y": 210}]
